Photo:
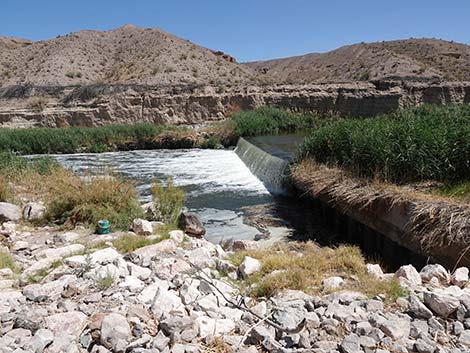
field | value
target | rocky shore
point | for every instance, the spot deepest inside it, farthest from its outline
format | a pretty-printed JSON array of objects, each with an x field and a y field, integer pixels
[{"x": 74, "y": 292}]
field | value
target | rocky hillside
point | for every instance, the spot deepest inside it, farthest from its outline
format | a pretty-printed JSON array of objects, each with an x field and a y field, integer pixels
[
  {"x": 413, "y": 59},
  {"x": 125, "y": 55}
]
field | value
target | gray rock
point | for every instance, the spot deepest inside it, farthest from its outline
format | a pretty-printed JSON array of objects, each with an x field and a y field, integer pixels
[
  {"x": 435, "y": 270},
  {"x": 332, "y": 283},
  {"x": 465, "y": 338},
  {"x": 244, "y": 245},
  {"x": 441, "y": 304},
  {"x": 363, "y": 328},
  {"x": 115, "y": 332},
  {"x": 208, "y": 326},
  {"x": 425, "y": 345},
  {"x": 249, "y": 266},
  {"x": 409, "y": 273},
  {"x": 70, "y": 324},
  {"x": 460, "y": 277},
  {"x": 350, "y": 344},
  {"x": 396, "y": 328},
  {"x": 175, "y": 324},
  {"x": 67, "y": 237},
  {"x": 191, "y": 225},
  {"x": 48, "y": 291},
  {"x": 419, "y": 327},
  {"x": 41, "y": 339},
  {"x": 9, "y": 212},
  {"x": 418, "y": 309},
  {"x": 374, "y": 270},
  {"x": 160, "y": 341},
  {"x": 289, "y": 318},
  {"x": 34, "y": 211},
  {"x": 166, "y": 302},
  {"x": 142, "y": 227},
  {"x": 104, "y": 256},
  {"x": 260, "y": 334},
  {"x": 58, "y": 253},
  {"x": 374, "y": 305},
  {"x": 457, "y": 328}
]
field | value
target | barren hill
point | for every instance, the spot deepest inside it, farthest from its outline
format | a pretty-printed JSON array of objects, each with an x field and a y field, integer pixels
[
  {"x": 412, "y": 59},
  {"x": 125, "y": 55}
]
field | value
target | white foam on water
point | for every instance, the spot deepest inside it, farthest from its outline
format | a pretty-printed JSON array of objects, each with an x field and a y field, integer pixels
[
  {"x": 217, "y": 182},
  {"x": 208, "y": 171}
]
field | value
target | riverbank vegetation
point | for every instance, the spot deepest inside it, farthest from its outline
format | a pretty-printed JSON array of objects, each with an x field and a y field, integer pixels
[
  {"x": 411, "y": 145},
  {"x": 303, "y": 266},
  {"x": 70, "y": 199},
  {"x": 264, "y": 120},
  {"x": 88, "y": 139}
]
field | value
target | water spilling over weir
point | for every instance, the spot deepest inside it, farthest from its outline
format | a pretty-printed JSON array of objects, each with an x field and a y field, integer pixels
[{"x": 271, "y": 170}]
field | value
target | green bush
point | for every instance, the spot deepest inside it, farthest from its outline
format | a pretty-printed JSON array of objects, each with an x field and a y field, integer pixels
[
  {"x": 422, "y": 143},
  {"x": 271, "y": 120},
  {"x": 212, "y": 142},
  {"x": 80, "y": 139},
  {"x": 169, "y": 201},
  {"x": 70, "y": 199}
]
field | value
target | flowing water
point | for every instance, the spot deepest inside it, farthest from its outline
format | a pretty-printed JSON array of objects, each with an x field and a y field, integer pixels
[{"x": 218, "y": 184}]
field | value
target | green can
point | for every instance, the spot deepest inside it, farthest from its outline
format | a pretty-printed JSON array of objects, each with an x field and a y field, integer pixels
[{"x": 103, "y": 227}]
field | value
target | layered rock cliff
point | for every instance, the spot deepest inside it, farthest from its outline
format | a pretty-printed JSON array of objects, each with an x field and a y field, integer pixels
[{"x": 36, "y": 107}]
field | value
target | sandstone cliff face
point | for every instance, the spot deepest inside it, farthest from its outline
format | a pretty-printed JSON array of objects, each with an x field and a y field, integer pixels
[{"x": 205, "y": 104}]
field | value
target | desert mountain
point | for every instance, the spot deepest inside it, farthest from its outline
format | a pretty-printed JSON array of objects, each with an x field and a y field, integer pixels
[
  {"x": 128, "y": 54},
  {"x": 412, "y": 59}
]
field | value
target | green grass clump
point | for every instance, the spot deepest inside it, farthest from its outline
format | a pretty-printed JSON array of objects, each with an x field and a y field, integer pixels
[
  {"x": 129, "y": 243},
  {"x": 422, "y": 143},
  {"x": 169, "y": 201},
  {"x": 12, "y": 166},
  {"x": 7, "y": 261},
  {"x": 81, "y": 139},
  {"x": 70, "y": 199},
  {"x": 459, "y": 191},
  {"x": 105, "y": 282},
  {"x": 271, "y": 120}
]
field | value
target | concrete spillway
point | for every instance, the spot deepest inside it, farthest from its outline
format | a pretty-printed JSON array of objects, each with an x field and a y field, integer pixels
[{"x": 271, "y": 170}]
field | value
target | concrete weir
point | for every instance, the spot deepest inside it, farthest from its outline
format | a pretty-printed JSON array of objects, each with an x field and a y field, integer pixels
[
  {"x": 271, "y": 170},
  {"x": 382, "y": 227}
]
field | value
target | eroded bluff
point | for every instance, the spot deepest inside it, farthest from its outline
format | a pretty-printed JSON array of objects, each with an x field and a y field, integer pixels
[{"x": 96, "y": 106}]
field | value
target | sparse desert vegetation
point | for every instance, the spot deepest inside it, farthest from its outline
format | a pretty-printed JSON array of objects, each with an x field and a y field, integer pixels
[{"x": 303, "y": 266}]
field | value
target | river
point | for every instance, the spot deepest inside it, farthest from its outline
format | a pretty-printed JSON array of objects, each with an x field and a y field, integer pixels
[{"x": 218, "y": 185}]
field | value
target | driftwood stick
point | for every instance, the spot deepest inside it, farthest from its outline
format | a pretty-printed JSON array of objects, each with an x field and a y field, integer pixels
[{"x": 244, "y": 307}]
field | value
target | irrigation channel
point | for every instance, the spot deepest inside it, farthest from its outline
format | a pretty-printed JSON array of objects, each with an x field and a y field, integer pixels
[{"x": 240, "y": 194}]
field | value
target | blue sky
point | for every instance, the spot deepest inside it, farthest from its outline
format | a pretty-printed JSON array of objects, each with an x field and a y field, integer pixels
[{"x": 247, "y": 29}]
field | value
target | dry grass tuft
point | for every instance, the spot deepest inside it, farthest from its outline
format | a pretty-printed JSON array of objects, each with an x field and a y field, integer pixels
[
  {"x": 7, "y": 261},
  {"x": 303, "y": 266},
  {"x": 218, "y": 346}
]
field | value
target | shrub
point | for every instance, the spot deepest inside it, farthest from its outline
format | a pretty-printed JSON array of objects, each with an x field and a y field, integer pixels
[
  {"x": 169, "y": 201},
  {"x": 37, "y": 104},
  {"x": 105, "y": 282},
  {"x": 271, "y": 120},
  {"x": 79, "y": 139},
  {"x": 423, "y": 143},
  {"x": 73, "y": 200},
  {"x": 6, "y": 193},
  {"x": 212, "y": 142}
]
